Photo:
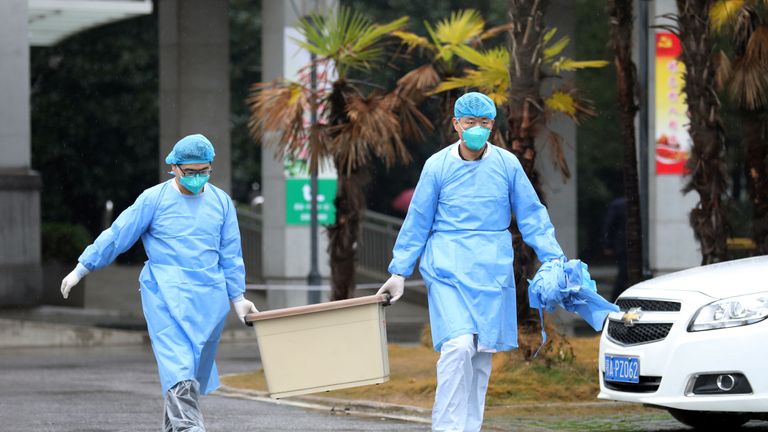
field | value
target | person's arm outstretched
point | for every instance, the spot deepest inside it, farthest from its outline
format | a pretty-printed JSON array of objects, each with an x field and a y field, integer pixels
[{"x": 113, "y": 241}]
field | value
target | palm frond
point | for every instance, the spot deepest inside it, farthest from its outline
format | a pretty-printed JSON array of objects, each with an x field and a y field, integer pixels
[
  {"x": 318, "y": 152},
  {"x": 756, "y": 51},
  {"x": 566, "y": 100},
  {"x": 412, "y": 40},
  {"x": 493, "y": 31},
  {"x": 742, "y": 27},
  {"x": 561, "y": 102},
  {"x": 413, "y": 123},
  {"x": 461, "y": 27},
  {"x": 373, "y": 129},
  {"x": 498, "y": 95},
  {"x": 441, "y": 52},
  {"x": 491, "y": 75},
  {"x": 554, "y": 50},
  {"x": 277, "y": 109},
  {"x": 748, "y": 83},
  {"x": 454, "y": 83},
  {"x": 372, "y": 35},
  {"x": 559, "y": 161},
  {"x": 549, "y": 35},
  {"x": 724, "y": 12},
  {"x": 494, "y": 59},
  {"x": 496, "y": 89},
  {"x": 722, "y": 70},
  {"x": 419, "y": 81},
  {"x": 568, "y": 64},
  {"x": 348, "y": 38}
]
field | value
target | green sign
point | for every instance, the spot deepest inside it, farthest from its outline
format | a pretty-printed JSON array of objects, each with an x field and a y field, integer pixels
[{"x": 298, "y": 198}]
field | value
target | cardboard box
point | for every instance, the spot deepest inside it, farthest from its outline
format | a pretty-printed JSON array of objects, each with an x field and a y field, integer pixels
[{"x": 321, "y": 347}]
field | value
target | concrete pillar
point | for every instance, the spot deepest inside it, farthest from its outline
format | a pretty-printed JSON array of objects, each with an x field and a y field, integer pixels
[
  {"x": 194, "y": 79},
  {"x": 20, "y": 274},
  {"x": 672, "y": 243},
  {"x": 561, "y": 196},
  {"x": 287, "y": 258}
]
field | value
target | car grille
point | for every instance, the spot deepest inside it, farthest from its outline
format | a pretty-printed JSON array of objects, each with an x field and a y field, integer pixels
[
  {"x": 647, "y": 384},
  {"x": 638, "y": 333},
  {"x": 648, "y": 305}
]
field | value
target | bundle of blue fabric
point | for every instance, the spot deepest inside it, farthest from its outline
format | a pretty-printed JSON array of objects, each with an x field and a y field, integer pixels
[{"x": 568, "y": 285}]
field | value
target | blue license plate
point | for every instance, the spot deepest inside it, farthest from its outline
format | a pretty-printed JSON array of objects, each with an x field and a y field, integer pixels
[{"x": 622, "y": 369}]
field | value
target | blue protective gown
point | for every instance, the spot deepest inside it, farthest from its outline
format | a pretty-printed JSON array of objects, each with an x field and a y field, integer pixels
[
  {"x": 195, "y": 267},
  {"x": 458, "y": 223}
]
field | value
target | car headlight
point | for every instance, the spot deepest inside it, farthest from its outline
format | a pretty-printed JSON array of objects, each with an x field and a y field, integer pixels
[{"x": 731, "y": 312}]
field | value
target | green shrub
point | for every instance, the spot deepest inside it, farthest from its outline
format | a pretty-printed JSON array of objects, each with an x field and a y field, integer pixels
[{"x": 63, "y": 242}]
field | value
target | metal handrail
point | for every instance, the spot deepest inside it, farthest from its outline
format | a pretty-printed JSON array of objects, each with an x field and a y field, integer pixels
[{"x": 374, "y": 252}]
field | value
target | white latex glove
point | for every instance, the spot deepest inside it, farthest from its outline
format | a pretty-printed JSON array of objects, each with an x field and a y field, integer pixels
[
  {"x": 72, "y": 279},
  {"x": 394, "y": 286},
  {"x": 243, "y": 307}
]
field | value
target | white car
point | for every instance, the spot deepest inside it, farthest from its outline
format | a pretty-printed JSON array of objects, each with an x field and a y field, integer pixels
[{"x": 694, "y": 342}]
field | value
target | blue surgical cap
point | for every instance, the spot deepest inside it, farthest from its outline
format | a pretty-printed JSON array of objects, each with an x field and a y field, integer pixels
[
  {"x": 474, "y": 104},
  {"x": 190, "y": 150}
]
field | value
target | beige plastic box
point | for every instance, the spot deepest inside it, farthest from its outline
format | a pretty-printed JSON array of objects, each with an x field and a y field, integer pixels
[{"x": 321, "y": 347}]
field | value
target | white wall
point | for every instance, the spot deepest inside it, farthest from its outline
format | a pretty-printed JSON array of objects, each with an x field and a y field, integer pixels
[
  {"x": 194, "y": 79},
  {"x": 672, "y": 245},
  {"x": 14, "y": 85},
  {"x": 286, "y": 254},
  {"x": 559, "y": 196}
]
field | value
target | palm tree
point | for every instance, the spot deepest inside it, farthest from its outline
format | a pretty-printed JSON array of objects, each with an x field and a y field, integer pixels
[
  {"x": 620, "y": 12},
  {"x": 525, "y": 117},
  {"x": 462, "y": 28},
  {"x": 526, "y": 120},
  {"x": 358, "y": 126},
  {"x": 745, "y": 77},
  {"x": 526, "y": 109},
  {"x": 707, "y": 162}
]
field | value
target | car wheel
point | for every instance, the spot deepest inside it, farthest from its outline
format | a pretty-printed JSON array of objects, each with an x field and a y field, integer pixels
[{"x": 705, "y": 420}]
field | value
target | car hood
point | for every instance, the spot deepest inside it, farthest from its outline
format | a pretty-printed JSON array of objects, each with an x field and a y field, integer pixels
[{"x": 727, "y": 279}]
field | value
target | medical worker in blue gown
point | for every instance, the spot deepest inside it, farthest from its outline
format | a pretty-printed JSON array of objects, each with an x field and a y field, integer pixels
[
  {"x": 458, "y": 224},
  {"x": 194, "y": 271}
]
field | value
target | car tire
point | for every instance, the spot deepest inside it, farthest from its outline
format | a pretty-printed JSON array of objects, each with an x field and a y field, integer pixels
[{"x": 706, "y": 420}]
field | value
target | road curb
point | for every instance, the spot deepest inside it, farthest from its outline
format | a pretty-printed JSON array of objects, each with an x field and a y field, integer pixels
[
  {"x": 337, "y": 406},
  {"x": 58, "y": 331},
  {"x": 33, "y": 334},
  {"x": 376, "y": 409}
]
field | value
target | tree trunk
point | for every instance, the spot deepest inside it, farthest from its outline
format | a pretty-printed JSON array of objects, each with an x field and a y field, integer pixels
[
  {"x": 349, "y": 203},
  {"x": 343, "y": 235},
  {"x": 445, "y": 125},
  {"x": 757, "y": 177},
  {"x": 706, "y": 164},
  {"x": 525, "y": 117},
  {"x": 526, "y": 113},
  {"x": 620, "y": 12}
]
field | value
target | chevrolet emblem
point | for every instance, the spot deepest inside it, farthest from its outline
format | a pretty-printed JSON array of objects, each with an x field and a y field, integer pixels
[{"x": 631, "y": 316}]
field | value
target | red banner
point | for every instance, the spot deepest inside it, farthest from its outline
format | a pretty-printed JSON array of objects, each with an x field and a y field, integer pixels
[{"x": 673, "y": 142}]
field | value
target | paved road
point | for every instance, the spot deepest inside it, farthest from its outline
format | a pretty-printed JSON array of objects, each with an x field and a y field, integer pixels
[{"x": 117, "y": 389}]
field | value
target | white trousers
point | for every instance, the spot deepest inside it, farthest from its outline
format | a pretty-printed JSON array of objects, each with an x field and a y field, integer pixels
[{"x": 462, "y": 380}]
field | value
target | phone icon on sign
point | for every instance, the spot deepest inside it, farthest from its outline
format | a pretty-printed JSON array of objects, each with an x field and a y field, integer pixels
[{"x": 307, "y": 192}]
